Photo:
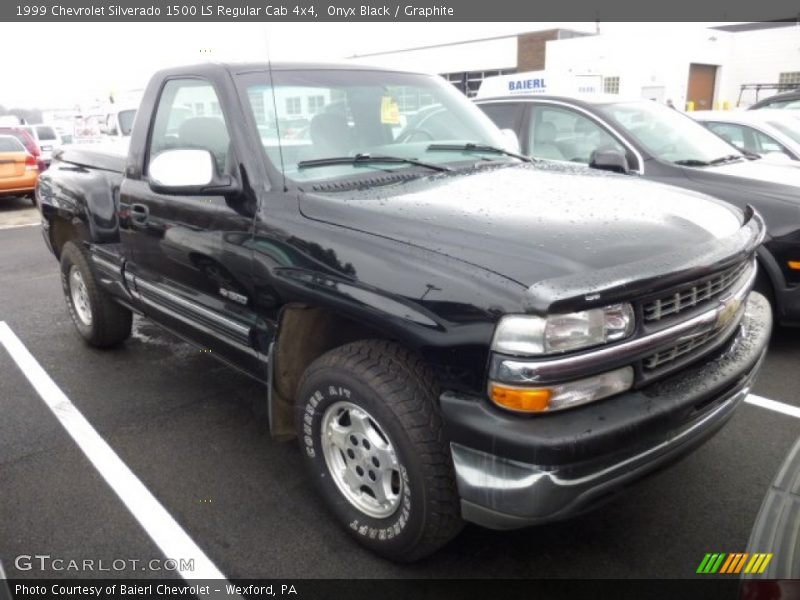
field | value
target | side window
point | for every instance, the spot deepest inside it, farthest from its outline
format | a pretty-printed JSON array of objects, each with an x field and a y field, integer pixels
[
  {"x": 111, "y": 125},
  {"x": 184, "y": 119},
  {"x": 504, "y": 115},
  {"x": 556, "y": 133},
  {"x": 766, "y": 144},
  {"x": 733, "y": 134},
  {"x": 747, "y": 138}
]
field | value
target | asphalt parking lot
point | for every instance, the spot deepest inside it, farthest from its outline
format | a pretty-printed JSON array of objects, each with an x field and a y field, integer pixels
[{"x": 189, "y": 429}]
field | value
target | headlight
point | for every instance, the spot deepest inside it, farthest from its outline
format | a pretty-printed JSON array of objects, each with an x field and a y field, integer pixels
[{"x": 528, "y": 335}]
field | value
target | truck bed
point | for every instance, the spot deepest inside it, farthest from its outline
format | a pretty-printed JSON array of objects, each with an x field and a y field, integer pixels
[{"x": 109, "y": 156}]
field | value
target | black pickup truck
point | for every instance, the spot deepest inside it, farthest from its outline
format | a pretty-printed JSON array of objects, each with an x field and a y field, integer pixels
[{"x": 452, "y": 331}]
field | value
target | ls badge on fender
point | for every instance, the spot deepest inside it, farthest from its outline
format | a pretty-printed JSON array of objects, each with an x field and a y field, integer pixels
[{"x": 231, "y": 295}]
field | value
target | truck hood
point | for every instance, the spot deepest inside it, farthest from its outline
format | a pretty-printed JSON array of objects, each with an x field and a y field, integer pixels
[{"x": 533, "y": 223}]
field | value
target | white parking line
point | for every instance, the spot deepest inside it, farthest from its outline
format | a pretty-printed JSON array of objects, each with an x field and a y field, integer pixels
[
  {"x": 37, "y": 224},
  {"x": 781, "y": 407},
  {"x": 171, "y": 539}
]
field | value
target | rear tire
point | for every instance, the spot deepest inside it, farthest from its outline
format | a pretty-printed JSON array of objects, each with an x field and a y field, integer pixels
[
  {"x": 372, "y": 439},
  {"x": 98, "y": 318}
]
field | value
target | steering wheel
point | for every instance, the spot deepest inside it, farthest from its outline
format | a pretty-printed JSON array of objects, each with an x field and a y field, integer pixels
[{"x": 406, "y": 136}]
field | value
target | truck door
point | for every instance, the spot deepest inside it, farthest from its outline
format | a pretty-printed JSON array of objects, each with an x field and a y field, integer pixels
[{"x": 189, "y": 257}]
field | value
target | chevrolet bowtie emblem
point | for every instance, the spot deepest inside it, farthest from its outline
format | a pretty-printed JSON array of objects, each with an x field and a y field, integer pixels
[{"x": 728, "y": 312}]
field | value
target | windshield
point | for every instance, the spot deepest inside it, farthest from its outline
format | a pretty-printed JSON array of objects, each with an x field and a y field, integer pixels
[
  {"x": 126, "y": 121},
  {"x": 322, "y": 114},
  {"x": 10, "y": 144},
  {"x": 789, "y": 129},
  {"x": 46, "y": 134},
  {"x": 789, "y": 103},
  {"x": 668, "y": 134}
]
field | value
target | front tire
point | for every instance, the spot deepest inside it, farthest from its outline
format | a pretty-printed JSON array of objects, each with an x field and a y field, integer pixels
[
  {"x": 98, "y": 318},
  {"x": 371, "y": 436}
]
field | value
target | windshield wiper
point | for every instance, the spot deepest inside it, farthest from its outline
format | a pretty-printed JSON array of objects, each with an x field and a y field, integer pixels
[
  {"x": 691, "y": 162},
  {"x": 368, "y": 158},
  {"x": 473, "y": 147},
  {"x": 726, "y": 159}
]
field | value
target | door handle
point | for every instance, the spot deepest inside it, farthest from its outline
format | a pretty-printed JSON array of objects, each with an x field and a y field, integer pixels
[{"x": 139, "y": 213}]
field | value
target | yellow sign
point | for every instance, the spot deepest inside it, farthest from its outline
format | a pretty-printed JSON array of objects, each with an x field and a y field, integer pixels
[{"x": 390, "y": 111}]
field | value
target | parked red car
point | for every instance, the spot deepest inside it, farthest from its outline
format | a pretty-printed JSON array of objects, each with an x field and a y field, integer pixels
[{"x": 28, "y": 141}]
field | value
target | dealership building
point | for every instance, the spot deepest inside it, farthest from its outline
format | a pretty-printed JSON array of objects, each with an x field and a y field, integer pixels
[{"x": 704, "y": 67}]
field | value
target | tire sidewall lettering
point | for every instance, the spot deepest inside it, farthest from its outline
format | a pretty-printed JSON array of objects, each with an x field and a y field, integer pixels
[{"x": 361, "y": 524}]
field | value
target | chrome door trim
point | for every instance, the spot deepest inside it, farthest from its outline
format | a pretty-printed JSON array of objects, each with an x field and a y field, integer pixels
[{"x": 220, "y": 320}]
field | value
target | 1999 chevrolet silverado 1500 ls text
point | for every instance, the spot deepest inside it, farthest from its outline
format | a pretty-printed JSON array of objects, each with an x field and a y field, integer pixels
[{"x": 451, "y": 331}]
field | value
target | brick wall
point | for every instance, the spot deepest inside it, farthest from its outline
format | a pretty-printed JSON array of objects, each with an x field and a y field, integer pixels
[{"x": 531, "y": 49}]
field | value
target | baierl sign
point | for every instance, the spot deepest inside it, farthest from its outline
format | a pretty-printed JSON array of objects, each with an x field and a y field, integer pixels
[
  {"x": 532, "y": 82},
  {"x": 540, "y": 82},
  {"x": 527, "y": 86}
]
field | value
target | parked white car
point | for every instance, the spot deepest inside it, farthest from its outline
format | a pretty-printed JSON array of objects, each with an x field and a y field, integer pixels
[
  {"x": 47, "y": 137},
  {"x": 118, "y": 122},
  {"x": 772, "y": 134}
]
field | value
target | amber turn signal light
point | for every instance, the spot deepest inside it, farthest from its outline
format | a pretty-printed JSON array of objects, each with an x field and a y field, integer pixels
[
  {"x": 794, "y": 265},
  {"x": 522, "y": 399}
]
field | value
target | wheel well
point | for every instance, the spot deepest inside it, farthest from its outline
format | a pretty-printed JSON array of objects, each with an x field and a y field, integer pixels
[
  {"x": 768, "y": 270},
  {"x": 61, "y": 232},
  {"x": 304, "y": 334}
]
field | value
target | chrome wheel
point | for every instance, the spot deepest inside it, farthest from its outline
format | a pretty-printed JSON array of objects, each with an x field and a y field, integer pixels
[
  {"x": 361, "y": 459},
  {"x": 79, "y": 295}
]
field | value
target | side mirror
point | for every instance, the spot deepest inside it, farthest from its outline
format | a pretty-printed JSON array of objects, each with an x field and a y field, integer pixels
[
  {"x": 188, "y": 172},
  {"x": 609, "y": 159},
  {"x": 511, "y": 138}
]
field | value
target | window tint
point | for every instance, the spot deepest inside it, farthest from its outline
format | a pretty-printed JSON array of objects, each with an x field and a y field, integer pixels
[
  {"x": 10, "y": 144},
  {"x": 766, "y": 143},
  {"x": 126, "y": 118},
  {"x": 23, "y": 137},
  {"x": 746, "y": 138},
  {"x": 787, "y": 104},
  {"x": 184, "y": 120},
  {"x": 504, "y": 115},
  {"x": 46, "y": 134},
  {"x": 731, "y": 133},
  {"x": 562, "y": 134},
  {"x": 666, "y": 133},
  {"x": 317, "y": 114}
]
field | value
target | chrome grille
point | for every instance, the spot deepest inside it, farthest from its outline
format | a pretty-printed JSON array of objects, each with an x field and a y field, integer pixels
[
  {"x": 692, "y": 295},
  {"x": 669, "y": 354}
]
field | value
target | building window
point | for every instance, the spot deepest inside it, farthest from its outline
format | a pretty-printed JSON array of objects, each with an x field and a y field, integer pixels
[
  {"x": 293, "y": 106},
  {"x": 468, "y": 82},
  {"x": 257, "y": 102},
  {"x": 215, "y": 110},
  {"x": 791, "y": 78},
  {"x": 199, "y": 109},
  {"x": 315, "y": 104},
  {"x": 611, "y": 85}
]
